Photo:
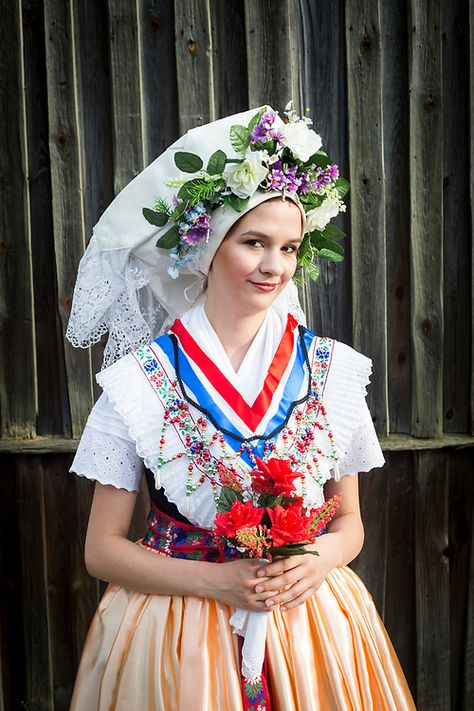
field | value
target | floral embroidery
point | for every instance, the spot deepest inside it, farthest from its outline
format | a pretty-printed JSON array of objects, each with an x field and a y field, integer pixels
[{"x": 205, "y": 447}]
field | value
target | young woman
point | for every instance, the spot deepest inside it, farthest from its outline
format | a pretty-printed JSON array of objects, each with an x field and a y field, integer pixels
[{"x": 234, "y": 377}]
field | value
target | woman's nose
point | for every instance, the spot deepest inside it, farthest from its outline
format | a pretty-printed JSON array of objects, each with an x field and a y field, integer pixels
[{"x": 272, "y": 262}]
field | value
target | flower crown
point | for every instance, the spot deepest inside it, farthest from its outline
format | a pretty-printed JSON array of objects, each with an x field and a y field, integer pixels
[{"x": 285, "y": 157}]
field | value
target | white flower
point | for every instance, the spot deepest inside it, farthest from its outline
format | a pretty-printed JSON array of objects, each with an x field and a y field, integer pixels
[
  {"x": 301, "y": 140},
  {"x": 318, "y": 218},
  {"x": 244, "y": 178}
]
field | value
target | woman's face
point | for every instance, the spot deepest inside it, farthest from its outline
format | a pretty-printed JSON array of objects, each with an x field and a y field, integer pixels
[{"x": 257, "y": 258}]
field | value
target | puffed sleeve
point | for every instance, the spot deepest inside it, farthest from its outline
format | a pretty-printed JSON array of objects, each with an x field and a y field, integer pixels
[
  {"x": 106, "y": 452},
  {"x": 345, "y": 394}
]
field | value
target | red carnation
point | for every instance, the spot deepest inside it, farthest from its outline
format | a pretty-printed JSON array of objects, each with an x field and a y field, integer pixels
[
  {"x": 275, "y": 476},
  {"x": 289, "y": 525},
  {"x": 240, "y": 516}
]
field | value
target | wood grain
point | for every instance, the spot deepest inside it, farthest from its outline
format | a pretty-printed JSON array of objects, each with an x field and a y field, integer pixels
[
  {"x": 426, "y": 217},
  {"x": 397, "y": 213},
  {"x": 67, "y": 183},
  {"x": 18, "y": 402},
  {"x": 456, "y": 220},
  {"x": 321, "y": 34},
  {"x": 194, "y": 64},
  {"x": 368, "y": 238},
  {"x": 432, "y": 582}
]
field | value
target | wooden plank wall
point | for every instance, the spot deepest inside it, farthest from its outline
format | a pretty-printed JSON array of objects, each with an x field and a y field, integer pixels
[{"x": 96, "y": 90}]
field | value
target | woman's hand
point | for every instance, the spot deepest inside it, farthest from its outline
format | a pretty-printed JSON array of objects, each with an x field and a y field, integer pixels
[
  {"x": 291, "y": 581},
  {"x": 234, "y": 583}
]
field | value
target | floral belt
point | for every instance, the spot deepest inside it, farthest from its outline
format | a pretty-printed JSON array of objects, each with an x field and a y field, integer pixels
[{"x": 175, "y": 539}]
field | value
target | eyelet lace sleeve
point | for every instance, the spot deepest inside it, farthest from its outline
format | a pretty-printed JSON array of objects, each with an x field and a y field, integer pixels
[
  {"x": 364, "y": 451},
  {"x": 345, "y": 397},
  {"x": 106, "y": 453}
]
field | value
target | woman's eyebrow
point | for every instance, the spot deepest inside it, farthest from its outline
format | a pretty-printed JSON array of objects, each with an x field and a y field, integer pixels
[{"x": 256, "y": 233}]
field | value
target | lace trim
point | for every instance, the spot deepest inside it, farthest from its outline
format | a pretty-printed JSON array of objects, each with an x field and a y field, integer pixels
[
  {"x": 346, "y": 406},
  {"x": 108, "y": 459},
  {"x": 112, "y": 294}
]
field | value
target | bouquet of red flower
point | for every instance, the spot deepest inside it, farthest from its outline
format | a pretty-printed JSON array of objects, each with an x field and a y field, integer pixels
[{"x": 274, "y": 522}]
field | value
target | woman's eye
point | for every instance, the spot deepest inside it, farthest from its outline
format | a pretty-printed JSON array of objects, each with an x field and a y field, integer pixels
[
  {"x": 254, "y": 243},
  {"x": 290, "y": 248}
]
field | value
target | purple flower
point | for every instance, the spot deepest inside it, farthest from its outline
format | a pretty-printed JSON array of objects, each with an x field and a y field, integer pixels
[
  {"x": 333, "y": 171},
  {"x": 265, "y": 130},
  {"x": 194, "y": 226}
]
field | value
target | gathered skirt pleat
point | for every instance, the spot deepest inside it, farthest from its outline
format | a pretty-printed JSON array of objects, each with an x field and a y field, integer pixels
[{"x": 178, "y": 653}]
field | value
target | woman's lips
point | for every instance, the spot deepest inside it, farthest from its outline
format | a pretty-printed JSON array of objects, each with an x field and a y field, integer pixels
[{"x": 263, "y": 286}]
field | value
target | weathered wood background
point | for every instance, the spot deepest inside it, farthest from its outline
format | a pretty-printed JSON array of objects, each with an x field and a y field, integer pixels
[{"x": 91, "y": 92}]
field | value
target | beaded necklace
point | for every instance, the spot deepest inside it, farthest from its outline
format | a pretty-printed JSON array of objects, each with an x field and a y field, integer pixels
[{"x": 201, "y": 435}]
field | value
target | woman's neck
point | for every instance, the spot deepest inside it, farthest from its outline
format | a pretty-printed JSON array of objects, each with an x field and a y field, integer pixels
[{"x": 235, "y": 334}]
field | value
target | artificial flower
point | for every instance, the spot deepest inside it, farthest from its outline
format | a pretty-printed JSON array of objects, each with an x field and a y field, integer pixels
[
  {"x": 289, "y": 525},
  {"x": 244, "y": 178},
  {"x": 275, "y": 475},
  {"x": 239, "y": 516},
  {"x": 302, "y": 141},
  {"x": 318, "y": 217}
]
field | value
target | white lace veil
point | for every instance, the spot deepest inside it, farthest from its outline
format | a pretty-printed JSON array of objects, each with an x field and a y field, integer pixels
[{"x": 123, "y": 286}]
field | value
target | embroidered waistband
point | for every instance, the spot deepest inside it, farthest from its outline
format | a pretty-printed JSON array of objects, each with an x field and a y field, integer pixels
[{"x": 175, "y": 539}]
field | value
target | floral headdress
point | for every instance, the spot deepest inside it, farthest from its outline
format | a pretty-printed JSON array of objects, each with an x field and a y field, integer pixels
[{"x": 276, "y": 154}]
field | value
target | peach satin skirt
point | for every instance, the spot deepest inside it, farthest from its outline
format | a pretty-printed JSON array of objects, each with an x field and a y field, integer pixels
[{"x": 173, "y": 653}]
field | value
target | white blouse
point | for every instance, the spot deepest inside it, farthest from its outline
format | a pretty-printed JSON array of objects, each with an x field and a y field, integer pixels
[{"x": 107, "y": 453}]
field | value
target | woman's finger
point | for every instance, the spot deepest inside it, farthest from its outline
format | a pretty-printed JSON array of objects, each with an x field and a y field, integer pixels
[
  {"x": 291, "y": 593},
  {"x": 299, "y": 600},
  {"x": 279, "y": 565}
]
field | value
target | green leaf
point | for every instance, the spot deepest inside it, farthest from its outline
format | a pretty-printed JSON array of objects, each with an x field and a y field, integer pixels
[
  {"x": 237, "y": 203},
  {"x": 255, "y": 119},
  {"x": 216, "y": 163},
  {"x": 170, "y": 239},
  {"x": 321, "y": 241},
  {"x": 330, "y": 255},
  {"x": 178, "y": 211},
  {"x": 312, "y": 270},
  {"x": 342, "y": 186},
  {"x": 226, "y": 499},
  {"x": 186, "y": 191},
  {"x": 333, "y": 232},
  {"x": 239, "y": 138},
  {"x": 320, "y": 159},
  {"x": 187, "y": 162},
  {"x": 158, "y": 219}
]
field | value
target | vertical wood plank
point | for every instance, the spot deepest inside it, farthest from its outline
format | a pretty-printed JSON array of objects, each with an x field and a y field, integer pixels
[
  {"x": 18, "y": 402},
  {"x": 127, "y": 88},
  {"x": 471, "y": 191},
  {"x": 432, "y": 582},
  {"x": 324, "y": 91},
  {"x": 12, "y": 638},
  {"x": 468, "y": 666},
  {"x": 65, "y": 138},
  {"x": 397, "y": 213},
  {"x": 272, "y": 75},
  {"x": 229, "y": 57},
  {"x": 456, "y": 227},
  {"x": 373, "y": 487},
  {"x": 160, "y": 90},
  {"x": 426, "y": 214},
  {"x": 367, "y": 236},
  {"x": 53, "y": 410},
  {"x": 97, "y": 136},
  {"x": 400, "y": 617},
  {"x": 461, "y": 526},
  {"x": 38, "y": 671},
  {"x": 72, "y": 592},
  {"x": 194, "y": 64}
]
